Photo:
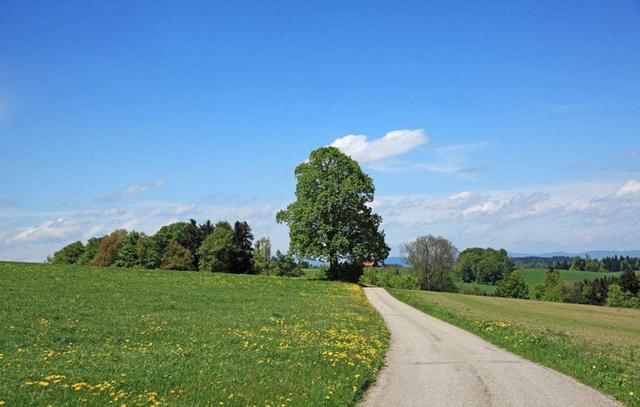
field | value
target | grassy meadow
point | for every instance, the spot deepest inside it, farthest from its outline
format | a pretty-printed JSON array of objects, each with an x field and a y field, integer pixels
[
  {"x": 600, "y": 346},
  {"x": 75, "y": 335}
]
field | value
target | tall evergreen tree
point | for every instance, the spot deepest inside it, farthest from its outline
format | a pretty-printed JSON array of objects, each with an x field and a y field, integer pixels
[
  {"x": 243, "y": 245},
  {"x": 629, "y": 281}
]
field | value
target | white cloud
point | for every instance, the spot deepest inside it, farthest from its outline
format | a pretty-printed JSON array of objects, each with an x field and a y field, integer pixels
[
  {"x": 132, "y": 191},
  {"x": 631, "y": 154},
  {"x": 546, "y": 218},
  {"x": 461, "y": 196},
  {"x": 394, "y": 143},
  {"x": 631, "y": 187},
  {"x": 48, "y": 230}
]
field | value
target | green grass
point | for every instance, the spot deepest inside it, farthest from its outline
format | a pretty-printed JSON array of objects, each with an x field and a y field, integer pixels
[
  {"x": 535, "y": 277},
  {"x": 72, "y": 335},
  {"x": 599, "y": 346}
]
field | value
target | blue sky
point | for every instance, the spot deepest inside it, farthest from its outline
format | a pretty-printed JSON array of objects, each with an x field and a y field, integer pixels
[{"x": 523, "y": 117}]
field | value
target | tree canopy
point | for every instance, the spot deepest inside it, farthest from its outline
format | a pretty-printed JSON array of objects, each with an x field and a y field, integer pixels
[
  {"x": 331, "y": 218},
  {"x": 483, "y": 265},
  {"x": 432, "y": 258}
]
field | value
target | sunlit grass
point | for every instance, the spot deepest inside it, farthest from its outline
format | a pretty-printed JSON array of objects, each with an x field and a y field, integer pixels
[{"x": 72, "y": 335}]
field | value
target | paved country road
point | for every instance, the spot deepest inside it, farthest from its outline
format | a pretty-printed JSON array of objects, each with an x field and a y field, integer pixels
[{"x": 433, "y": 363}]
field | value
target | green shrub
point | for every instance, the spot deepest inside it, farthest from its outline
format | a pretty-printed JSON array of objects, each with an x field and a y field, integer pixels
[
  {"x": 513, "y": 285},
  {"x": 617, "y": 297},
  {"x": 550, "y": 288},
  {"x": 473, "y": 289},
  {"x": 381, "y": 277},
  {"x": 348, "y": 272}
]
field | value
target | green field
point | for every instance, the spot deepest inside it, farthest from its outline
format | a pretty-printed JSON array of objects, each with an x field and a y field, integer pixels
[
  {"x": 599, "y": 346},
  {"x": 73, "y": 335},
  {"x": 535, "y": 277}
]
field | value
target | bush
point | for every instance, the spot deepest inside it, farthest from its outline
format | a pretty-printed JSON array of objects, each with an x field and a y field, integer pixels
[
  {"x": 550, "y": 288},
  {"x": 381, "y": 277},
  {"x": 473, "y": 289},
  {"x": 514, "y": 286},
  {"x": 109, "y": 246},
  {"x": 280, "y": 265},
  {"x": 320, "y": 273},
  {"x": 349, "y": 272},
  {"x": 68, "y": 254},
  {"x": 617, "y": 297}
]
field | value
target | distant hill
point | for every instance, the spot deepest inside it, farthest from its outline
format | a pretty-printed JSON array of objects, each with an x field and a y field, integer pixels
[
  {"x": 595, "y": 254},
  {"x": 396, "y": 260}
]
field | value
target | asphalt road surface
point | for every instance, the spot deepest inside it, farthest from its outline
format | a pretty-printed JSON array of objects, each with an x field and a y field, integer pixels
[{"x": 433, "y": 363}]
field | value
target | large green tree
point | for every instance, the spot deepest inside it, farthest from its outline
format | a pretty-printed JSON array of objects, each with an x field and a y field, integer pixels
[
  {"x": 331, "y": 218},
  {"x": 90, "y": 251},
  {"x": 127, "y": 255},
  {"x": 218, "y": 250},
  {"x": 68, "y": 254}
]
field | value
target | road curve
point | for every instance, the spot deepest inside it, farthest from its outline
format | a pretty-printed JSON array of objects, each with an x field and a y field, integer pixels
[{"x": 433, "y": 363}]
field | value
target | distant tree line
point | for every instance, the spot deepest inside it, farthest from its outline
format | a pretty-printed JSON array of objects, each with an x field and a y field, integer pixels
[
  {"x": 218, "y": 247},
  {"x": 536, "y": 262},
  {"x": 619, "y": 291},
  {"x": 607, "y": 264}
]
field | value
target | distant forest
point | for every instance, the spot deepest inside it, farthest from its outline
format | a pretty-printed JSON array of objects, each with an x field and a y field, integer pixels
[{"x": 607, "y": 264}]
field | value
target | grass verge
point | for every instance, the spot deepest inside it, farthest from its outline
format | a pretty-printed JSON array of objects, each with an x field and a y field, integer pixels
[
  {"x": 73, "y": 335},
  {"x": 599, "y": 346}
]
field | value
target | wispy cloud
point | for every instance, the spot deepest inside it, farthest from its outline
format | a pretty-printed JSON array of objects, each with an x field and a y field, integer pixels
[
  {"x": 47, "y": 231},
  {"x": 453, "y": 160},
  {"x": 131, "y": 191},
  {"x": 631, "y": 154},
  {"x": 393, "y": 144},
  {"x": 630, "y": 187}
]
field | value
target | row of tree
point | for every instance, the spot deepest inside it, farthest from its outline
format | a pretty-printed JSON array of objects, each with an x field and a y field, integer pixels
[
  {"x": 182, "y": 246},
  {"x": 331, "y": 220},
  {"x": 607, "y": 264},
  {"x": 537, "y": 262},
  {"x": 610, "y": 264},
  {"x": 619, "y": 291}
]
